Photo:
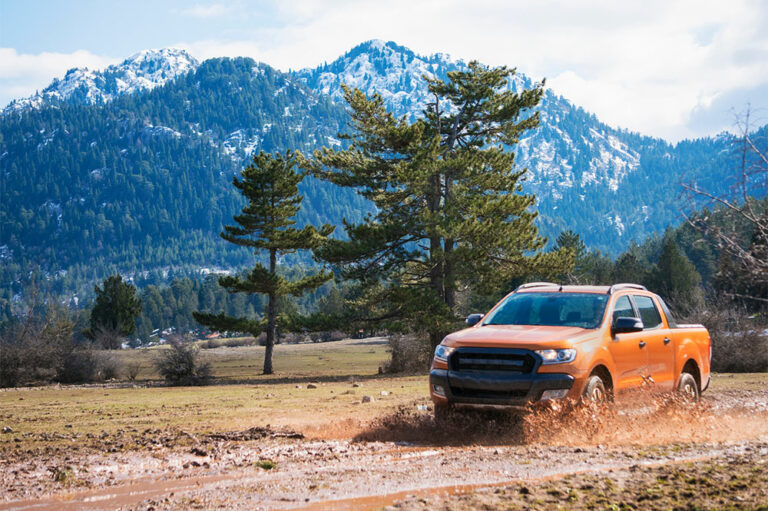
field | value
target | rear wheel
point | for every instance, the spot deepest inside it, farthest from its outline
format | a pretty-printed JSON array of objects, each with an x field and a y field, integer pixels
[
  {"x": 688, "y": 388},
  {"x": 594, "y": 391}
]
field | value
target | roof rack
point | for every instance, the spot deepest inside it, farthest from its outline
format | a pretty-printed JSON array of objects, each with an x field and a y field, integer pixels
[
  {"x": 535, "y": 284},
  {"x": 625, "y": 285}
]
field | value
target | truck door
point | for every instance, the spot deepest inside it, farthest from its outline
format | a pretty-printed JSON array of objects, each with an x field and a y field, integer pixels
[
  {"x": 659, "y": 343},
  {"x": 628, "y": 350}
]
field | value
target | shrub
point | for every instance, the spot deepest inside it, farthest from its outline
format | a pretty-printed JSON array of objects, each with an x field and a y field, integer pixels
[
  {"x": 77, "y": 366},
  {"x": 132, "y": 370},
  {"x": 293, "y": 338},
  {"x": 39, "y": 348},
  {"x": 10, "y": 364},
  {"x": 409, "y": 353},
  {"x": 211, "y": 344},
  {"x": 327, "y": 336},
  {"x": 179, "y": 365},
  {"x": 108, "y": 338},
  {"x": 240, "y": 341},
  {"x": 109, "y": 367},
  {"x": 739, "y": 341}
]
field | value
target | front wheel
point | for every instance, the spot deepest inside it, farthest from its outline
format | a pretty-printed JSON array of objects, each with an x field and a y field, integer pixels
[
  {"x": 688, "y": 388},
  {"x": 594, "y": 391}
]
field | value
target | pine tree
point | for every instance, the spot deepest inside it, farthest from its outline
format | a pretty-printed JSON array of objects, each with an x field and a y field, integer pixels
[
  {"x": 570, "y": 240},
  {"x": 628, "y": 268},
  {"x": 114, "y": 312},
  {"x": 676, "y": 278},
  {"x": 266, "y": 224},
  {"x": 450, "y": 208}
]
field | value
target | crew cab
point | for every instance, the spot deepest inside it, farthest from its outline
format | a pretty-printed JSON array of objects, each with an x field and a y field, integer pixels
[{"x": 547, "y": 341}]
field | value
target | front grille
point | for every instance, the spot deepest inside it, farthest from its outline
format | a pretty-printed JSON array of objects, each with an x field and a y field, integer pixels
[
  {"x": 492, "y": 360},
  {"x": 488, "y": 394}
]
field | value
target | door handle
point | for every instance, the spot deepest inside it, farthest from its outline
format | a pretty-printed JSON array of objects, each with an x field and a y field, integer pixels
[
  {"x": 642, "y": 344},
  {"x": 667, "y": 340}
]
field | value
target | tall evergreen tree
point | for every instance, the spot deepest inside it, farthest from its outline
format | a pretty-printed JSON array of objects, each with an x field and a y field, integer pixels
[
  {"x": 628, "y": 268},
  {"x": 266, "y": 224},
  {"x": 676, "y": 278},
  {"x": 114, "y": 312},
  {"x": 570, "y": 240},
  {"x": 450, "y": 211}
]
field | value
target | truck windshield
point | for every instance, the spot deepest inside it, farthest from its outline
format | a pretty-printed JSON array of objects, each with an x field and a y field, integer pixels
[{"x": 583, "y": 310}]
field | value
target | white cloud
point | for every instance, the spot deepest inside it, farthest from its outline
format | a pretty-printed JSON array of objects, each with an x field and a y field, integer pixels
[
  {"x": 207, "y": 11},
  {"x": 21, "y": 74}
]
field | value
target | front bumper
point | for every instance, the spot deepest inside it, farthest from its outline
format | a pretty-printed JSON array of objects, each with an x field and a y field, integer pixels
[{"x": 494, "y": 388}]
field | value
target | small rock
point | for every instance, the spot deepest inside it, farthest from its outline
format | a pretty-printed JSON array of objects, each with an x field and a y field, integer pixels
[
  {"x": 367, "y": 399},
  {"x": 68, "y": 426},
  {"x": 7, "y": 429},
  {"x": 298, "y": 386},
  {"x": 311, "y": 386},
  {"x": 355, "y": 384},
  {"x": 384, "y": 393},
  {"x": 21, "y": 399}
]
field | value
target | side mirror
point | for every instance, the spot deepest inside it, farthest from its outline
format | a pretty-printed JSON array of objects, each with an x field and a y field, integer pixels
[
  {"x": 474, "y": 319},
  {"x": 624, "y": 325}
]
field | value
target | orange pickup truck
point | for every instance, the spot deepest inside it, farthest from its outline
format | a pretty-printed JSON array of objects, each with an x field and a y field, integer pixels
[{"x": 546, "y": 341}]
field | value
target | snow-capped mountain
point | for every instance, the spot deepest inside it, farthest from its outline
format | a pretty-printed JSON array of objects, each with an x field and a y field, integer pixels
[
  {"x": 138, "y": 174},
  {"x": 143, "y": 71},
  {"x": 394, "y": 72}
]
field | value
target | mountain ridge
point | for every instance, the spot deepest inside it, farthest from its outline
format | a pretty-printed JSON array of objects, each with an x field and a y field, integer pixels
[
  {"x": 142, "y": 71},
  {"x": 136, "y": 179}
]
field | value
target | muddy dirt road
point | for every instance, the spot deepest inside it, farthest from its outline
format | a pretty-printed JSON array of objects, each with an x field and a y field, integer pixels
[{"x": 405, "y": 460}]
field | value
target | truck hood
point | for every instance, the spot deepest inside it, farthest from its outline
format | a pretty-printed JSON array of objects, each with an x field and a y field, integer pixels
[{"x": 518, "y": 336}]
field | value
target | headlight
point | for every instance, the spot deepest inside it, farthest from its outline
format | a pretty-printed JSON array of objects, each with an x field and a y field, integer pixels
[
  {"x": 442, "y": 353},
  {"x": 557, "y": 356}
]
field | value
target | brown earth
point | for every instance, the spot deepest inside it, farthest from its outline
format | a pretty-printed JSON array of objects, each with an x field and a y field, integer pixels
[{"x": 644, "y": 453}]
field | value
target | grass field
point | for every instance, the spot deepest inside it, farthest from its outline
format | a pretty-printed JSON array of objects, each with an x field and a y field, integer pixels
[
  {"x": 342, "y": 372},
  {"x": 331, "y": 360}
]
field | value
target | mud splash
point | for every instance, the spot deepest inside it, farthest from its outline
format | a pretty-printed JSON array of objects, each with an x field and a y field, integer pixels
[{"x": 639, "y": 420}]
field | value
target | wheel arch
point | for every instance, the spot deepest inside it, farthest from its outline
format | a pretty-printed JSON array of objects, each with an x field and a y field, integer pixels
[
  {"x": 604, "y": 373},
  {"x": 692, "y": 368}
]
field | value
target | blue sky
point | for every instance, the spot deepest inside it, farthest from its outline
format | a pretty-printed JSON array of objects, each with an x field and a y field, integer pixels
[{"x": 673, "y": 69}]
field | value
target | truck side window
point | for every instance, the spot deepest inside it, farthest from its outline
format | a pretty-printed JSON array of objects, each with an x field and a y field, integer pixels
[
  {"x": 648, "y": 312},
  {"x": 670, "y": 319},
  {"x": 623, "y": 309}
]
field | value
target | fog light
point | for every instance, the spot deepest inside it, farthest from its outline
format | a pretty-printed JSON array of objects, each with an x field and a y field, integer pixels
[
  {"x": 554, "y": 394},
  {"x": 439, "y": 390}
]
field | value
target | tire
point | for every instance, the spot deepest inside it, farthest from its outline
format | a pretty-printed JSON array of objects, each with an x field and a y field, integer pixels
[
  {"x": 688, "y": 388},
  {"x": 594, "y": 391}
]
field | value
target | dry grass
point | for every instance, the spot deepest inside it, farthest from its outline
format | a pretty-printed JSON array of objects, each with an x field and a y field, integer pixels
[
  {"x": 57, "y": 415},
  {"x": 338, "y": 359}
]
